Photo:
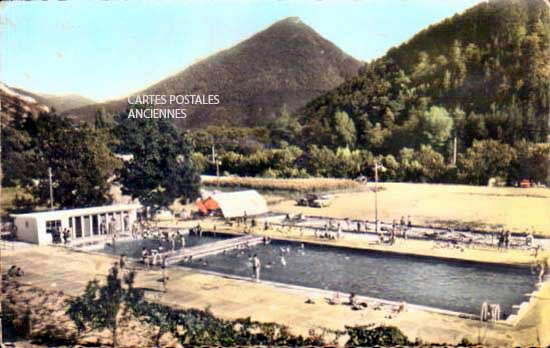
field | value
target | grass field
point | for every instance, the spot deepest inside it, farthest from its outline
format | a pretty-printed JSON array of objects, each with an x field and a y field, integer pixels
[
  {"x": 476, "y": 207},
  {"x": 291, "y": 185}
]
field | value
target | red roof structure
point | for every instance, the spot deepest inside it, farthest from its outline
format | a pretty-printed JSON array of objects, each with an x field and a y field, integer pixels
[{"x": 207, "y": 205}]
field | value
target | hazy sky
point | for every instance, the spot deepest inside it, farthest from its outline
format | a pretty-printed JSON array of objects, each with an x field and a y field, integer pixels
[{"x": 108, "y": 49}]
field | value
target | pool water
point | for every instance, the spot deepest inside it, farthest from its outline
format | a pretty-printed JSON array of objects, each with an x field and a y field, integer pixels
[
  {"x": 133, "y": 248},
  {"x": 451, "y": 285}
]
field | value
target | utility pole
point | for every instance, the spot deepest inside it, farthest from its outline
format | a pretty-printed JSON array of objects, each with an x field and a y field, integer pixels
[
  {"x": 376, "y": 196},
  {"x": 383, "y": 169},
  {"x": 454, "y": 150},
  {"x": 215, "y": 161},
  {"x": 51, "y": 189}
]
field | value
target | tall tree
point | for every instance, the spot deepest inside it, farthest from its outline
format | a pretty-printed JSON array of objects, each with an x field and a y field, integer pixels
[
  {"x": 162, "y": 169},
  {"x": 79, "y": 157},
  {"x": 484, "y": 160},
  {"x": 436, "y": 126},
  {"x": 345, "y": 129}
]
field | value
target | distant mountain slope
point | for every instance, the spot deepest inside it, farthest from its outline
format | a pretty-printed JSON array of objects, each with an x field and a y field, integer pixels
[
  {"x": 66, "y": 102},
  {"x": 488, "y": 67},
  {"x": 17, "y": 102},
  {"x": 59, "y": 102},
  {"x": 281, "y": 67}
]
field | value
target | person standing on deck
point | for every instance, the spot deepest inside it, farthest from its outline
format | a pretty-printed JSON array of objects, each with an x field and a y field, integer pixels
[
  {"x": 256, "y": 265},
  {"x": 173, "y": 242},
  {"x": 543, "y": 264},
  {"x": 500, "y": 239},
  {"x": 112, "y": 225},
  {"x": 199, "y": 229},
  {"x": 122, "y": 261},
  {"x": 339, "y": 232},
  {"x": 145, "y": 256},
  {"x": 164, "y": 274},
  {"x": 66, "y": 236},
  {"x": 529, "y": 239}
]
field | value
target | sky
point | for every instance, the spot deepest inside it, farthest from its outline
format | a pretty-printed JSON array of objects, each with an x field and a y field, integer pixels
[{"x": 109, "y": 49}]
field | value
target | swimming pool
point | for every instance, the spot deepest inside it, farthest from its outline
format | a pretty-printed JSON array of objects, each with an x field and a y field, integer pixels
[
  {"x": 132, "y": 248},
  {"x": 451, "y": 285}
]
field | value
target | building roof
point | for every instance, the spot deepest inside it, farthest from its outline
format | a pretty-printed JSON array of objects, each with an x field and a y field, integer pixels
[
  {"x": 241, "y": 203},
  {"x": 206, "y": 205},
  {"x": 80, "y": 211}
]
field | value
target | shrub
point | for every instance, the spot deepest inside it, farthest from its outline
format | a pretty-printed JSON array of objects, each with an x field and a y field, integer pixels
[{"x": 370, "y": 336}]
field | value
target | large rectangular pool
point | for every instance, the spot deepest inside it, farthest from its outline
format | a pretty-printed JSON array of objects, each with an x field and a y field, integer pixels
[{"x": 452, "y": 285}]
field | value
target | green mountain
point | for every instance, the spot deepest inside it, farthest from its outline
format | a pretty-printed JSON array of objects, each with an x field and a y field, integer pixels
[
  {"x": 482, "y": 74},
  {"x": 278, "y": 69}
]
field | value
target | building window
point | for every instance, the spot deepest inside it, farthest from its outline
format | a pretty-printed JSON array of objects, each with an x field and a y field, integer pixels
[
  {"x": 53, "y": 224},
  {"x": 26, "y": 224},
  {"x": 78, "y": 226}
]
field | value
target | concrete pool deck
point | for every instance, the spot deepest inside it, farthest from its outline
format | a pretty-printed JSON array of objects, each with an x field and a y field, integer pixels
[
  {"x": 62, "y": 269},
  {"x": 516, "y": 257}
]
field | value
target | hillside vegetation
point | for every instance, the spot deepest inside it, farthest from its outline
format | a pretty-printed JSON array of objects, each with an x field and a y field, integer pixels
[
  {"x": 464, "y": 100},
  {"x": 481, "y": 76}
]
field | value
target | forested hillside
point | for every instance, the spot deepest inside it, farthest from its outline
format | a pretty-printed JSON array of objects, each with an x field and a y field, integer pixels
[
  {"x": 488, "y": 68},
  {"x": 481, "y": 76}
]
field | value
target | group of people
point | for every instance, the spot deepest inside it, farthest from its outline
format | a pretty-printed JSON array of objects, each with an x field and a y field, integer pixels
[
  {"x": 396, "y": 230},
  {"x": 59, "y": 236},
  {"x": 175, "y": 239},
  {"x": 110, "y": 227},
  {"x": 152, "y": 257},
  {"x": 15, "y": 271},
  {"x": 328, "y": 232},
  {"x": 359, "y": 305},
  {"x": 503, "y": 238}
]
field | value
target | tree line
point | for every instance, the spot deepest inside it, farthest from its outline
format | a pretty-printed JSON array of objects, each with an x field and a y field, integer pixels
[{"x": 84, "y": 162}]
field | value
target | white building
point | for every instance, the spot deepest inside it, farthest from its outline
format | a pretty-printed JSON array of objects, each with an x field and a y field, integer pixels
[
  {"x": 241, "y": 203},
  {"x": 82, "y": 223}
]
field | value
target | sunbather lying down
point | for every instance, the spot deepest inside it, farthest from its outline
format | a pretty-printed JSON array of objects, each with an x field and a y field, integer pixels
[
  {"x": 335, "y": 300},
  {"x": 15, "y": 271},
  {"x": 359, "y": 306},
  {"x": 402, "y": 307}
]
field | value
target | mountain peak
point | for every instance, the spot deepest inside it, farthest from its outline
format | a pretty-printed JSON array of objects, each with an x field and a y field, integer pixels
[
  {"x": 290, "y": 20},
  {"x": 282, "y": 67}
]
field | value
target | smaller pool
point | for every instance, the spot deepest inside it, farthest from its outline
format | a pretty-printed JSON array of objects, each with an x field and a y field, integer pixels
[{"x": 132, "y": 248}]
